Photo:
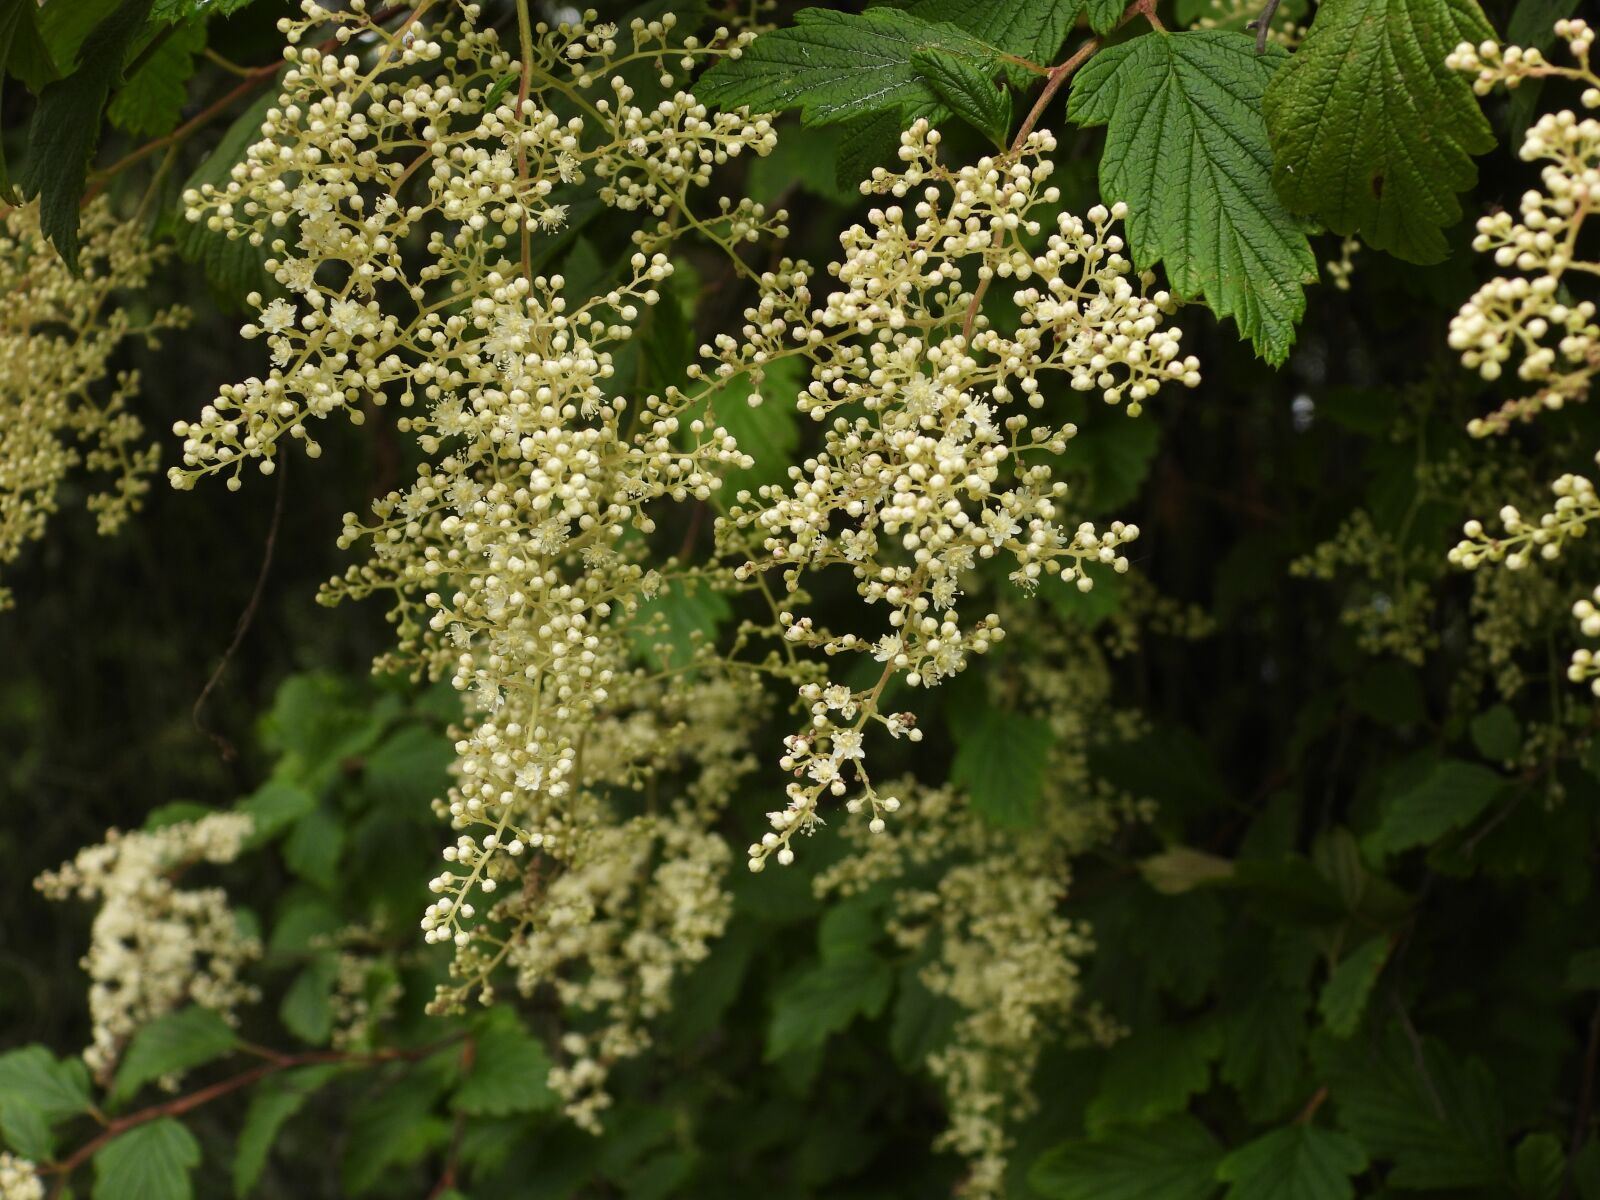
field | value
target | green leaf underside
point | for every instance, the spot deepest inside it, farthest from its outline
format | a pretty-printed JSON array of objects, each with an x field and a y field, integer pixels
[
  {"x": 66, "y": 128},
  {"x": 837, "y": 66},
  {"x": 1186, "y": 149},
  {"x": 1371, "y": 132},
  {"x": 1175, "y": 1159},
  {"x": 1301, "y": 1162},
  {"x": 149, "y": 1162},
  {"x": 971, "y": 93}
]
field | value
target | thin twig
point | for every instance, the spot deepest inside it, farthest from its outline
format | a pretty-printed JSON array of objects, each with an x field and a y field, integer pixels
[
  {"x": 1263, "y": 24},
  {"x": 254, "y": 77},
  {"x": 183, "y": 1104},
  {"x": 224, "y": 746}
]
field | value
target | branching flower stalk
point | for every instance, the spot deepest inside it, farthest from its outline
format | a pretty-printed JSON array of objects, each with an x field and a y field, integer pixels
[{"x": 1532, "y": 316}]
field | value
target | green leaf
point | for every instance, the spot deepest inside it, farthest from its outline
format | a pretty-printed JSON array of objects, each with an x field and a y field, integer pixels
[
  {"x": 972, "y": 94},
  {"x": 64, "y": 28},
  {"x": 693, "y": 614},
  {"x": 868, "y": 142},
  {"x": 1104, "y": 14},
  {"x": 392, "y": 1126},
  {"x": 1111, "y": 456},
  {"x": 313, "y": 848},
  {"x": 307, "y": 1007},
  {"x": 1344, "y": 996},
  {"x": 273, "y": 807},
  {"x": 25, "y": 54},
  {"x": 151, "y": 102},
  {"x": 16, "y": 30},
  {"x": 274, "y": 1102},
  {"x": 768, "y": 433},
  {"x": 1540, "y": 1167},
  {"x": 66, "y": 128},
  {"x": 1186, "y": 149},
  {"x": 1300, "y": 1162},
  {"x": 1175, "y": 1159},
  {"x": 1031, "y": 29},
  {"x": 233, "y": 266},
  {"x": 1153, "y": 1073},
  {"x": 1437, "y": 1120},
  {"x": 171, "y": 1044},
  {"x": 920, "y": 1022},
  {"x": 1497, "y": 734},
  {"x": 824, "y": 999},
  {"x": 412, "y": 764},
  {"x": 1371, "y": 132},
  {"x": 835, "y": 66},
  {"x": 149, "y": 1162},
  {"x": 1000, "y": 760},
  {"x": 1451, "y": 794},
  {"x": 25, "y": 1130},
  {"x": 1263, "y": 1042},
  {"x": 56, "y": 1087},
  {"x": 509, "y": 1073},
  {"x": 182, "y": 10}
]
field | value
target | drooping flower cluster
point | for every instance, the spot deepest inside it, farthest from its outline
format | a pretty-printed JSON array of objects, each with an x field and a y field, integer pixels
[
  {"x": 155, "y": 946},
  {"x": 408, "y": 189},
  {"x": 1534, "y": 316},
  {"x": 58, "y": 332},
  {"x": 931, "y": 461}
]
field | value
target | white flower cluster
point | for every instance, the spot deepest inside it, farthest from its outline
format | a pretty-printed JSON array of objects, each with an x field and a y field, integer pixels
[
  {"x": 1534, "y": 314},
  {"x": 939, "y": 465},
  {"x": 1511, "y": 65},
  {"x": 401, "y": 189},
  {"x": 58, "y": 331},
  {"x": 1523, "y": 540},
  {"x": 19, "y": 1179},
  {"x": 1586, "y": 663},
  {"x": 1529, "y": 314},
  {"x": 154, "y": 946}
]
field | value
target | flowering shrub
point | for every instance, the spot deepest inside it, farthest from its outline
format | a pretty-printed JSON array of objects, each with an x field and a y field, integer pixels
[{"x": 923, "y": 652}]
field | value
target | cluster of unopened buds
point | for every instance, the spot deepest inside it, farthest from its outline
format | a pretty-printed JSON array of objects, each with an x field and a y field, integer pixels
[
  {"x": 1523, "y": 540},
  {"x": 1510, "y": 65},
  {"x": 1529, "y": 314},
  {"x": 1585, "y": 662},
  {"x": 942, "y": 465}
]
